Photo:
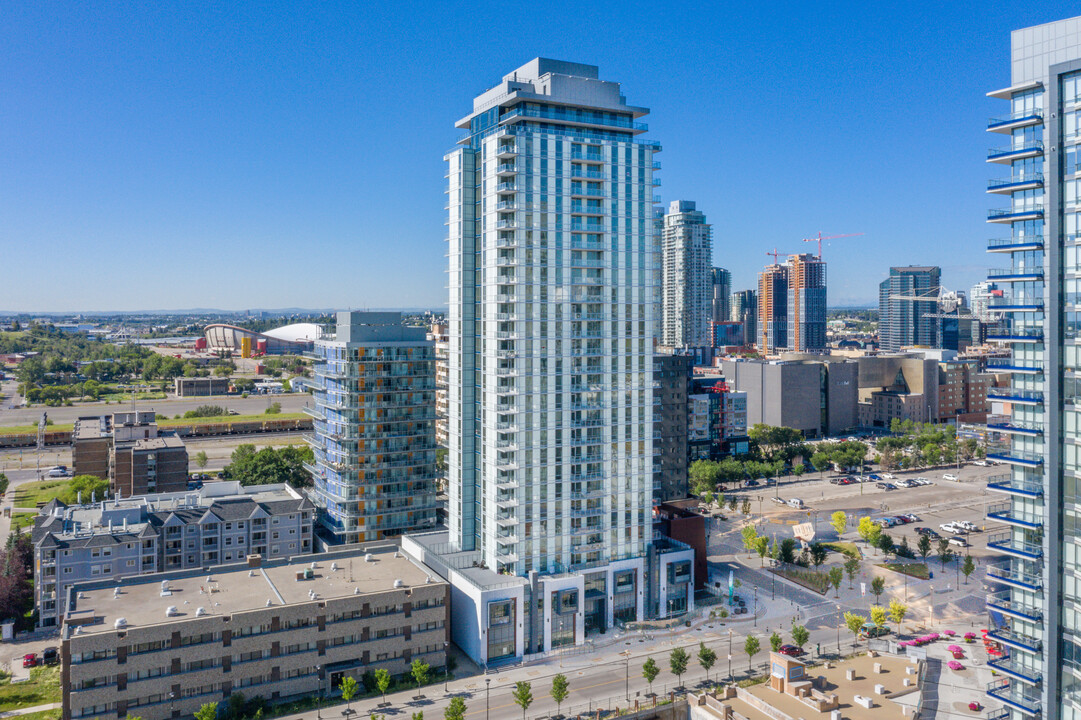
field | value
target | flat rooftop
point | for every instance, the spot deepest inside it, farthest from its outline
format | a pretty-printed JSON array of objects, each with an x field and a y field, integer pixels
[
  {"x": 90, "y": 428},
  {"x": 238, "y": 588},
  {"x": 161, "y": 442}
]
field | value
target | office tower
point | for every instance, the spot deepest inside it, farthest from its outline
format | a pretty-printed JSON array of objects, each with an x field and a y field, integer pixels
[
  {"x": 722, "y": 294},
  {"x": 744, "y": 309},
  {"x": 773, "y": 309},
  {"x": 905, "y": 318},
  {"x": 1032, "y": 610},
  {"x": 671, "y": 379},
  {"x": 374, "y": 429},
  {"x": 550, "y": 463},
  {"x": 687, "y": 292},
  {"x": 806, "y": 303}
]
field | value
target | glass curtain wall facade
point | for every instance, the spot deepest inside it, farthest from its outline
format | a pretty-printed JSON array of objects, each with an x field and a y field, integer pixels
[
  {"x": 373, "y": 429},
  {"x": 806, "y": 303},
  {"x": 907, "y": 300},
  {"x": 688, "y": 286},
  {"x": 552, "y": 316},
  {"x": 1036, "y": 598}
]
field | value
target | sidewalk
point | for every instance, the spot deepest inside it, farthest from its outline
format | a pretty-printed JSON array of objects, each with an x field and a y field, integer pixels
[{"x": 29, "y": 710}]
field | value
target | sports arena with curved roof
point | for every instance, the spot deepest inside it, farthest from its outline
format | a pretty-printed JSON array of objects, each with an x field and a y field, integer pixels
[{"x": 286, "y": 339}]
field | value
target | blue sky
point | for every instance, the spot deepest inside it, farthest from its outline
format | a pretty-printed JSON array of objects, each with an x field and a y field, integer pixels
[{"x": 238, "y": 155}]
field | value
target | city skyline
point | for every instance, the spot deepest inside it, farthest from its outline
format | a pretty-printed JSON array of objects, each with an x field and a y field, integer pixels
[{"x": 144, "y": 143}]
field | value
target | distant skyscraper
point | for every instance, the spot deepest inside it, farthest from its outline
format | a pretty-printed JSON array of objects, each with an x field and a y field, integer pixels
[
  {"x": 981, "y": 298},
  {"x": 904, "y": 318},
  {"x": 806, "y": 303},
  {"x": 687, "y": 251},
  {"x": 722, "y": 294},
  {"x": 374, "y": 429},
  {"x": 744, "y": 309},
  {"x": 773, "y": 309}
]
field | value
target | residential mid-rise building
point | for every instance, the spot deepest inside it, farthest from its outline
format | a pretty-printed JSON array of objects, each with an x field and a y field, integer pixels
[
  {"x": 689, "y": 280},
  {"x": 1038, "y": 523},
  {"x": 773, "y": 309},
  {"x": 201, "y": 386},
  {"x": 907, "y": 304},
  {"x": 129, "y": 450},
  {"x": 218, "y": 524},
  {"x": 722, "y": 294},
  {"x": 440, "y": 344},
  {"x": 806, "y": 303},
  {"x": 671, "y": 379},
  {"x": 716, "y": 419},
  {"x": 373, "y": 429},
  {"x": 163, "y": 646},
  {"x": 744, "y": 309},
  {"x": 551, "y": 313}
]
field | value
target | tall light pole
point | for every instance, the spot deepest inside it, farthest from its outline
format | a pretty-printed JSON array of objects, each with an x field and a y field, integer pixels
[
  {"x": 487, "y": 687},
  {"x": 319, "y": 703},
  {"x": 627, "y": 671},
  {"x": 754, "y": 606},
  {"x": 838, "y": 630},
  {"x": 729, "y": 656},
  {"x": 446, "y": 667},
  {"x": 172, "y": 700}
]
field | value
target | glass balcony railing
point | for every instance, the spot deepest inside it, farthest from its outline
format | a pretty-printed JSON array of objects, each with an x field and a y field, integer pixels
[
  {"x": 1015, "y": 486},
  {"x": 1004, "y": 602},
  {"x": 1012, "y": 366},
  {"x": 1032, "y": 397},
  {"x": 573, "y": 116},
  {"x": 1014, "y": 669},
  {"x": 1021, "y": 117},
  {"x": 1008, "y": 544},
  {"x": 1032, "y": 147},
  {"x": 1030, "y": 336},
  {"x": 1016, "y": 272},
  {"x": 1010, "y": 214},
  {"x": 1015, "y": 243},
  {"x": 1008, "y": 184},
  {"x": 1007, "y": 513},
  {"x": 1017, "y": 428},
  {"x": 1014, "y": 639}
]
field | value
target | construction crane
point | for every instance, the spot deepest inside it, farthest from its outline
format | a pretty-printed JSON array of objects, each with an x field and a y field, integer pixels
[
  {"x": 776, "y": 255},
  {"x": 820, "y": 238}
]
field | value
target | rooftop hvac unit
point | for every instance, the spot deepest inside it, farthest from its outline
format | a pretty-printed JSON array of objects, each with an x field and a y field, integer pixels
[
  {"x": 120, "y": 623},
  {"x": 171, "y": 611},
  {"x": 199, "y": 612},
  {"x": 398, "y": 583}
]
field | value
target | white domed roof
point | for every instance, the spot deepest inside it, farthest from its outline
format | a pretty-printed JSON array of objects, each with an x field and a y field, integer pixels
[{"x": 297, "y": 332}]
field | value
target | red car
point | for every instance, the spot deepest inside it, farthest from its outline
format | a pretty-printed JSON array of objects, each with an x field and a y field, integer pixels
[
  {"x": 791, "y": 650},
  {"x": 30, "y": 660}
]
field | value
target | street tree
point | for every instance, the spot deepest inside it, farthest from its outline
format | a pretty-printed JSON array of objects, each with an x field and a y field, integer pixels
[
  {"x": 201, "y": 459},
  {"x": 818, "y": 553},
  {"x": 749, "y": 534},
  {"x": 455, "y": 710},
  {"x": 207, "y": 711},
  {"x": 878, "y": 616},
  {"x": 885, "y": 544},
  {"x": 751, "y": 646},
  {"x": 839, "y": 521},
  {"x": 650, "y": 671},
  {"x": 869, "y": 531},
  {"x": 382, "y": 682},
  {"x": 761, "y": 546},
  {"x": 820, "y": 461},
  {"x": 898, "y": 610},
  {"x": 852, "y": 568},
  {"x": 878, "y": 586},
  {"x": 776, "y": 641},
  {"x": 746, "y": 507},
  {"x": 800, "y": 635},
  {"x": 968, "y": 567},
  {"x": 836, "y": 576},
  {"x": 523, "y": 695},
  {"x": 945, "y": 552},
  {"x": 706, "y": 658},
  {"x": 420, "y": 671},
  {"x": 677, "y": 662},
  {"x": 923, "y": 547},
  {"x": 560, "y": 689},
  {"x": 854, "y": 622},
  {"x": 348, "y": 686}
]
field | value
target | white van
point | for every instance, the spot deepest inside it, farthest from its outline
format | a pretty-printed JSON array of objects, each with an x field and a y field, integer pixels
[{"x": 796, "y": 503}]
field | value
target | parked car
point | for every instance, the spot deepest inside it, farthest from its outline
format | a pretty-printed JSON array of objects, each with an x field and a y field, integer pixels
[
  {"x": 952, "y": 528},
  {"x": 790, "y": 650},
  {"x": 750, "y": 483},
  {"x": 873, "y": 476},
  {"x": 881, "y": 485},
  {"x": 959, "y": 541},
  {"x": 30, "y": 660},
  {"x": 870, "y": 630},
  {"x": 778, "y": 500},
  {"x": 911, "y": 517},
  {"x": 887, "y": 476},
  {"x": 971, "y": 527},
  {"x": 50, "y": 656},
  {"x": 928, "y": 532},
  {"x": 58, "y": 471},
  {"x": 979, "y": 463},
  {"x": 949, "y": 476}
]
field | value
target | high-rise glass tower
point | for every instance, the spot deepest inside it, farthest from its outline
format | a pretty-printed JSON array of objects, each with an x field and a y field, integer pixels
[
  {"x": 373, "y": 429},
  {"x": 1037, "y": 577},
  {"x": 687, "y": 290},
  {"x": 907, "y": 302},
  {"x": 773, "y": 309},
  {"x": 722, "y": 294},
  {"x": 806, "y": 303}
]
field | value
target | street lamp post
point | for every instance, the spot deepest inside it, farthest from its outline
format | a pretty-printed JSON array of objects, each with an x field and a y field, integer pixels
[
  {"x": 446, "y": 666},
  {"x": 838, "y": 631},
  {"x": 729, "y": 656},
  {"x": 319, "y": 701},
  {"x": 754, "y": 606},
  {"x": 172, "y": 700},
  {"x": 487, "y": 687},
  {"x": 627, "y": 672}
]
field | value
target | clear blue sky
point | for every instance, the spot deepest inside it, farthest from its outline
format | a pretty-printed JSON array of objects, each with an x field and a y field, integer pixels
[{"x": 238, "y": 155}]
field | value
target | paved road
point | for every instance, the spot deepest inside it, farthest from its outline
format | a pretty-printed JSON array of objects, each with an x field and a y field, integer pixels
[{"x": 253, "y": 405}]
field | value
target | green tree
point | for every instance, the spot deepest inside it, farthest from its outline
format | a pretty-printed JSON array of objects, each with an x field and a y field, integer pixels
[
  {"x": 749, "y": 534},
  {"x": 761, "y": 546},
  {"x": 945, "y": 552},
  {"x": 201, "y": 459},
  {"x": 818, "y": 553},
  {"x": 207, "y": 711},
  {"x": 869, "y": 531},
  {"x": 878, "y": 616},
  {"x": 650, "y": 672},
  {"x": 419, "y": 715},
  {"x": 270, "y": 466},
  {"x": 560, "y": 690},
  {"x": 222, "y": 371},
  {"x": 968, "y": 567},
  {"x": 706, "y": 658},
  {"x": 852, "y": 568},
  {"x": 923, "y": 547},
  {"x": 800, "y": 635},
  {"x": 836, "y": 576},
  {"x": 455, "y": 710},
  {"x": 88, "y": 487},
  {"x": 523, "y": 695},
  {"x": 704, "y": 475},
  {"x": 878, "y": 586},
  {"x": 273, "y": 409},
  {"x": 885, "y": 544},
  {"x": 776, "y": 641},
  {"x": 746, "y": 507},
  {"x": 382, "y": 682},
  {"x": 821, "y": 461},
  {"x": 751, "y": 646},
  {"x": 420, "y": 671},
  {"x": 4, "y": 482},
  {"x": 786, "y": 551},
  {"x": 677, "y": 662},
  {"x": 897, "y": 612},
  {"x": 839, "y": 521},
  {"x": 854, "y": 622}
]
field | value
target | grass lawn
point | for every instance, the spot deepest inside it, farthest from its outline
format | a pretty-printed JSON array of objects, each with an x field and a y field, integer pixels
[
  {"x": 42, "y": 688},
  {"x": 43, "y": 715},
  {"x": 29, "y": 494},
  {"x": 32, "y": 429},
  {"x": 810, "y": 579},
  {"x": 916, "y": 570},
  {"x": 21, "y": 520},
  {"x": 845, "y": 548},
  {"x": 229, "y": 418}
]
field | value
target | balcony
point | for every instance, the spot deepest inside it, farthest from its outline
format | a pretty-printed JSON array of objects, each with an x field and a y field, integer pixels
[
  {"x": 1020, "y": 397},
  {"x": 1016, "y": 640},
  {"x": 1029, "y": 429},
  {"x": 1007, "y": 544},
  {"x": 1016, "y": 457},
  {"x": 1011, "y": 668},
  {"x": 507, "y": 151},
  {"x": 507, "y": 187},
  {"x": 1006, "y": 693},
  {"x": 1017, "y": 304},
  {"x": 1005, "y": 513},
  {"x": 1003, "y": 601},
  {"x": 1011, "y": 214},
  {"x": 1007, "y": 574},
  {"x": 592, "y": 157},
  {"x": 1032, "y": 242},
  {"x": 1021, "y": 118},
  {"x": 1018, "y": 336},
  {"x": 506, "y": 169},
  {"x": 1008, "y": 366},
  {"x": 1016, "y": 274},
  {"x": 1005, "y": 186},
  {"x": 1017, "y": 151},
  {"x": 1015, "y": 486},
  {"x": 586, "y": 119}
]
